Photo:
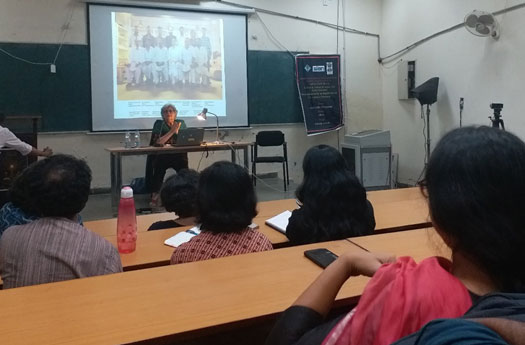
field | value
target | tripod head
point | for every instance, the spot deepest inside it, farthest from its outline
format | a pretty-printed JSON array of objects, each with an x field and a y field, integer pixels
[{"x": 497, "y": 120}]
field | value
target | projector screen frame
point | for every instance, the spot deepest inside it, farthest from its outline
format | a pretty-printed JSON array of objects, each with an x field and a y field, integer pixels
[{"x": 208, "y": 125}]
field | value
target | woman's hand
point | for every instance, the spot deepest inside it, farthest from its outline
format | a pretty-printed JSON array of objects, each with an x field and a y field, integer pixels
[
  {"x": 177, "y": 127},
  {"x": 365, "y": 263},
  {"x": 321, "y": 294},
  {"x": 174, "y": 129}
]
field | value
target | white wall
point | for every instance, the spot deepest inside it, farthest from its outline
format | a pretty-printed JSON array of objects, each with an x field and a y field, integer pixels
[
  {"x": 481, "y": 70},
  {"x": 41, "y": 21}
]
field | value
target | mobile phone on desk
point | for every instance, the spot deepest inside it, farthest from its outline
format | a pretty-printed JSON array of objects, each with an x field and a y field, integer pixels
[{"x": 321, "y": 256}]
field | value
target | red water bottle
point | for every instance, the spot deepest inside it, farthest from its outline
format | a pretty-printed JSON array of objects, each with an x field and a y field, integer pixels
[{"x": 126, "y": 222}]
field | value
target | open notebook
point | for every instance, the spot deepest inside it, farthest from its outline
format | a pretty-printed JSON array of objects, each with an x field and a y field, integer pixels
[
  {"x": 280, "y": 221},
  {"x": 185, "y": 236}
]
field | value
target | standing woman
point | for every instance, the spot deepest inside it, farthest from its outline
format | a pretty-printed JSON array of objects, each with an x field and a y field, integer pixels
[
  {"x": 164, "y": 132},
  {"x": 333, "y": 202}
]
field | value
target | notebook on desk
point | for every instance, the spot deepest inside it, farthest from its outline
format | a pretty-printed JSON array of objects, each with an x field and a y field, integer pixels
[
  {"x": 190, "y": 137},
  {"x": 280, "y": 221},
  {"x": 186, "y": 236}
]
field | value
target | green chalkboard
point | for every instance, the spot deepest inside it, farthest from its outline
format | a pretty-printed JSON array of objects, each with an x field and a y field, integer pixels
[
  {"x": 63, "y": 98},
  {"x": 272, "y": 89}
]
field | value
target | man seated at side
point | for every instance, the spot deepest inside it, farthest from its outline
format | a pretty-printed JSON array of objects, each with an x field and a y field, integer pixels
[
  {"x": 55, "y": 247},
  {"x": 8, "y": 139}
]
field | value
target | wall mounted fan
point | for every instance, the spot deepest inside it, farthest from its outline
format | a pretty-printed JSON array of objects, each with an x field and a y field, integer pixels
[{"x": 482, "y": 24}]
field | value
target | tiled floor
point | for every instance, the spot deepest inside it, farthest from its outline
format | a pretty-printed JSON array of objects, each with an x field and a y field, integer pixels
[{"x": 99, "y": 205}]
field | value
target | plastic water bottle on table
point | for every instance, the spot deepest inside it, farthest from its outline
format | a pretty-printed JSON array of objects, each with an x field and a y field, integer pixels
[{"x": 126, "y": 222}]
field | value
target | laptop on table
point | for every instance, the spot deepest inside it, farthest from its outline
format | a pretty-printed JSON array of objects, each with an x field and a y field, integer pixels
[{"x": 190, "y": 137}]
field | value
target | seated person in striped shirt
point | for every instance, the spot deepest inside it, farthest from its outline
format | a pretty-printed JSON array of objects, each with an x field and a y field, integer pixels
[
  {"x": 226, "y": 205},
  {"x": 179, "y": 195},
  {"x": 55, "y": 247}
]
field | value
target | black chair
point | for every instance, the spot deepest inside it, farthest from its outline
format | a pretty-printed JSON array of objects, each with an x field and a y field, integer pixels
[{"x": 270, "y": 138}]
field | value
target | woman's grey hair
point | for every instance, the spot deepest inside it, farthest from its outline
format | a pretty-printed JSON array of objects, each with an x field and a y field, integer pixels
[{"x": 165, "y": 108}]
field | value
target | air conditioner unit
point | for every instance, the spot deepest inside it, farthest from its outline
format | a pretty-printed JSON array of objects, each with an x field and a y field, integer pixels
[{"x": 368, "y": 154}]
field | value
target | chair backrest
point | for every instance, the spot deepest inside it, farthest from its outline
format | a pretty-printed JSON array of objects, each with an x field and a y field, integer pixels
[{"x": 269, "y": 138}]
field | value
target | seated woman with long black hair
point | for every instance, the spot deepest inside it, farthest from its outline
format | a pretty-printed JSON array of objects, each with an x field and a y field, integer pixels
[
  {"x": 333, "y": 202},
  {"x": 476, "y": 192}
]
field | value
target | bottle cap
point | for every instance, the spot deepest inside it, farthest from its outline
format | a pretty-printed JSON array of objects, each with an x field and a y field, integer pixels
[{"x": 126, "y": 193}]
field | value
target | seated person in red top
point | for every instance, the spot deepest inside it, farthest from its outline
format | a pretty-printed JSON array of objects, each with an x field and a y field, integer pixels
[
  {"x": 476, "y": 193},
  {"x": 179, "y": 195},
  {"x": 226, "y": 205}
]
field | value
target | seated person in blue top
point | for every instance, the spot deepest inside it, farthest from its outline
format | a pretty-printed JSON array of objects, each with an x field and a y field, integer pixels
[
  {"x": 179, "y": 195},
  {"x": 493, "y": 331},
  {"x": 19, "y": 209},
  {"x": 164, "y": 132},
  {"x": 333, "y": 202}
]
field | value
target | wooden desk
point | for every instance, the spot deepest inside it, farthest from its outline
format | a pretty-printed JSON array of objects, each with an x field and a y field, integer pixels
[
  {"x": 391, "y": 195},
  {"x": 108, "y": 227},
  {"x": 268, "y": 209},
  {"x": 420, "y": 243},
  {"x": 395, "y": 209},
  {"x": 151, "y": 250},
  {"x": 175, "y": 302},
  {"x": 390, "y": 216},
  {"x": 401, "y": 215},
  {"x": 116, "y": 154}
]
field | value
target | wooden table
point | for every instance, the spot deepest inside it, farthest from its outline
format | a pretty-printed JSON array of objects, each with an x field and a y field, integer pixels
[
  {"x": 172, "y": 302},
  {"x": 401, "y": 215},
  {"x": 151, "y": 251},
  {"x": 108, "y": 227},
  {"x": 393, "y": 195},
  {"x": 420, "y": 243},
  {"x": 116, "y": 154},
  {"x": 395, "y": 209}
]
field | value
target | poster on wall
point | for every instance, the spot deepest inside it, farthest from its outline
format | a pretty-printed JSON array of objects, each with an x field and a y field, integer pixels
[{"x": 319, "y": 85}]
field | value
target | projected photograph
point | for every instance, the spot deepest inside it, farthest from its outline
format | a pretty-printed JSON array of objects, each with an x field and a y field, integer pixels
[{"x": 168, "y": 58}]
